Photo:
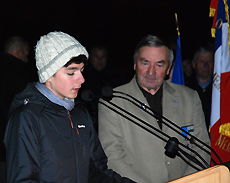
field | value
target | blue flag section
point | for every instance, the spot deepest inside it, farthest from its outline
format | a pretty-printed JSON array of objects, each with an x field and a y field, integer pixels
[{"x": 177, "y": 75}]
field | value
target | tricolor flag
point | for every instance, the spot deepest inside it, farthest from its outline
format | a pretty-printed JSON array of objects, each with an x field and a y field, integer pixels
[
  {"x": 178, "y": 75},
  {"x": 220, "y": 113}
]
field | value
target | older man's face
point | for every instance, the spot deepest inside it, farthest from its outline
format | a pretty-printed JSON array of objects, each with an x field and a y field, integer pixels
[
  {"x": 152, "y": 66},
  {"x": 204, "y": 65}
]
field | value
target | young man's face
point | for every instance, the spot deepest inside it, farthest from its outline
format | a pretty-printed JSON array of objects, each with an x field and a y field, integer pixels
[
  {"x": 67, "y": 81},
  {"x": 152, "y": 65}
]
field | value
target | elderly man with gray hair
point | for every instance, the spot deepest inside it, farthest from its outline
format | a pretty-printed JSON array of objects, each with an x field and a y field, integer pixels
[{"x": 134, "y": 152}]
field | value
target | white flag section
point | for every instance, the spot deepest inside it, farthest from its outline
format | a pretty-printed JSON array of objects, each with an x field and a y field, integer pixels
[{"x": 221, "y": 65}]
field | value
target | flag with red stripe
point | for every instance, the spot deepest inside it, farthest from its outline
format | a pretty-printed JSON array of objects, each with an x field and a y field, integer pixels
[{"x": 220, "y": 114}]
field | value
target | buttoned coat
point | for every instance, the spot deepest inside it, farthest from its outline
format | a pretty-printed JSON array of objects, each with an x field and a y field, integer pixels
[{"x": 140, "y": 155}]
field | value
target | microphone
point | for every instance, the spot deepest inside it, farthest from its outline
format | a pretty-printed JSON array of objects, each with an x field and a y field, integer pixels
[
  {"x": 172, "y": 149},
  {"x": 108, "y": 92},
  {"x": 87, "y": 95}
]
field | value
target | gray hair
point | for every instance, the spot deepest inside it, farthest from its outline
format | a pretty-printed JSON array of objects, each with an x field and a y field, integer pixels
[
  {"x": 201, "y": 50},
  {"x": 152, "y": 41}
]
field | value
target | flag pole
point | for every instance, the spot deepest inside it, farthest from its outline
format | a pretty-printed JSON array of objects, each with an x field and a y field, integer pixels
[
  {"x": 177, "y": 71},
  {"x": 177, "y": 24}
]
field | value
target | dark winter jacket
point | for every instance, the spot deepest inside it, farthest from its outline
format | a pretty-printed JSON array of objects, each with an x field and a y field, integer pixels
[
  {"x": 204, "y": 94},
  {"x": 46, "y": 143},
  {"x": 13, "y": 79}
]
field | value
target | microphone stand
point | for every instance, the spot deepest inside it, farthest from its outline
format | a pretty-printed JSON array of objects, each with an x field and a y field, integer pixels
[
  {"x": 160, "y": 117},
  {"x": 172, "y": 148},
  {"x": 159, "y": 131}
]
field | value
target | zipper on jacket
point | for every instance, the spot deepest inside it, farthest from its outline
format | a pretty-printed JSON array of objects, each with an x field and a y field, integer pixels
[
  {"x": 71, "y": 123},
  {"x": 74, "y": 139}
]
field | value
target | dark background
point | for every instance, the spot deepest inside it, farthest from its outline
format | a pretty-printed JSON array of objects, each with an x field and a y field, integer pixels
[{"x": 119, "y": 23}]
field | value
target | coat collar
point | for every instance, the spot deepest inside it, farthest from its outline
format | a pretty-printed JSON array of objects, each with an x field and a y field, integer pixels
[{"x": 170, "y": 98}]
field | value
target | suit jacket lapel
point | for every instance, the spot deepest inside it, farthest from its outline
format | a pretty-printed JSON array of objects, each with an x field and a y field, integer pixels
[
  {"x": 169, "y": 103},
  {"x": 135, "y": 91}
]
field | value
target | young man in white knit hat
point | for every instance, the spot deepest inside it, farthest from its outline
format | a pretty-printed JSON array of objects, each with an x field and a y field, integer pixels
[{"x": 48, "y": 139}]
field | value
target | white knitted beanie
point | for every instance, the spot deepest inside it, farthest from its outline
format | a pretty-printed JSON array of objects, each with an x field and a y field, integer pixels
[{"x": 53, "y": 51}]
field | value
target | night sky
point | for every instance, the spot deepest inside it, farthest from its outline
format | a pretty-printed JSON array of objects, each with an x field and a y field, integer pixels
[{"x": 120, "y": 24}]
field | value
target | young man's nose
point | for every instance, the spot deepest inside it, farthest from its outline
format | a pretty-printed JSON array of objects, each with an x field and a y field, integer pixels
[{"x": 81, "y": 78}]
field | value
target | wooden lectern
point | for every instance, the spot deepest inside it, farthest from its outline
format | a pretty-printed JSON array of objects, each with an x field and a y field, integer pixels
[{"x": 215, "y": 174}]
